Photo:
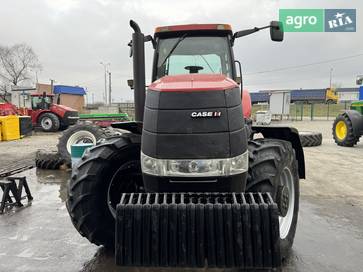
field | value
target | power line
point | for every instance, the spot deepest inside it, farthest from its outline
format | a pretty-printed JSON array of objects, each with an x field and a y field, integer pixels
[{"x": 304, "y": 65}]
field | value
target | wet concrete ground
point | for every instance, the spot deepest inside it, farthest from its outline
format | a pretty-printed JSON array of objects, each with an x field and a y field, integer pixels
[{"x": 40, "y": 237}]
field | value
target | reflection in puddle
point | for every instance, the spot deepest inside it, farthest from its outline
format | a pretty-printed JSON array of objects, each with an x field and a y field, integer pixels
[
  {"x": 55, "y": 177},
  {"x": 104, "y": 261}
]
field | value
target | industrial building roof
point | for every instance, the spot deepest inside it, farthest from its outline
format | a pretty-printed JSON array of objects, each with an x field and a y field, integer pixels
[{"x": 63, "y": 89}]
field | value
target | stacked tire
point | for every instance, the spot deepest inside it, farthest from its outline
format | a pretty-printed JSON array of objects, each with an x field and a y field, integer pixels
[
  {"x": 80, "y": 133},
  {"x": 309, "y": 138},
  {"x": 48, "y": 160}
]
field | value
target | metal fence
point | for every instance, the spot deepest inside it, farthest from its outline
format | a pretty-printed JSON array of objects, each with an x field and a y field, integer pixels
[{"x": 304, "y": 111}]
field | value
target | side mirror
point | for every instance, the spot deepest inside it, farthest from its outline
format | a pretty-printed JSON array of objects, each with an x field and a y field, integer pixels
[
  {"x": 359, "y": 80},
  {"x": 130, "y": 83},
  {"x": 276, "y": 31},
  {"x": 130, "y": 45},
  {"x": 238, "y": 80}
]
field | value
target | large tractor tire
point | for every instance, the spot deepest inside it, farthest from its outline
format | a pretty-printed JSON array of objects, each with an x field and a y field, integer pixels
[
  {"x": 49, "y": 122},
  {"x": 81, "y": 133},
  {"x": 48, "y": 160},
  {"x": 343, "y": 133},
  {"x": 104, "y": 172},
  {"x": 309, "y": 138},
  {"x": 273, "y": 168}
]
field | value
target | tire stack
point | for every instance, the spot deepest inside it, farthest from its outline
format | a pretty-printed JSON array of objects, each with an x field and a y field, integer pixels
[
  {"x": 51, "y": 160},
  {"x": 309, "y": 138},
  {"x": 80, "y": 133}
]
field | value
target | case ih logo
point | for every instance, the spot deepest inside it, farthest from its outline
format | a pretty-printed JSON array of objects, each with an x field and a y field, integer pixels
[{"x": 205, "y": 114}]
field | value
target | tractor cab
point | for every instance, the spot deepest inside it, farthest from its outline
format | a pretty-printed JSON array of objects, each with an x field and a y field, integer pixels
[
  {"x": 199, "y": 55},
  {"x": 193, "y": 49},
  {"x": 41, "y": 101}
]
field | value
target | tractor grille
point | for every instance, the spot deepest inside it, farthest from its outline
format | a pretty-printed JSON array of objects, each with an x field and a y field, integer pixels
[{"x": 198, "y": 229}]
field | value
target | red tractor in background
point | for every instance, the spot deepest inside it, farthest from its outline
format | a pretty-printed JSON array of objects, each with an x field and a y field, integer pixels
[{"x": 44, "y": 113}]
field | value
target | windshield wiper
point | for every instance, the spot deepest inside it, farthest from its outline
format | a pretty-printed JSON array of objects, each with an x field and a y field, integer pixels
[
  {"x": 207, "y": 64},
  {"x": 173, "y": 48}
]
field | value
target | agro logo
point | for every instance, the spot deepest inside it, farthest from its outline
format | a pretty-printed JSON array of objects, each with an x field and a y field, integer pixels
[{"x": 205, "y": 114}]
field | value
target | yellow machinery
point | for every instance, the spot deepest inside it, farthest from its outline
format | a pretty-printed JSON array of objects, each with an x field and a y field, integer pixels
[
  {"x": 331, "y": 96},
  {"x": 10, "y": 127}
]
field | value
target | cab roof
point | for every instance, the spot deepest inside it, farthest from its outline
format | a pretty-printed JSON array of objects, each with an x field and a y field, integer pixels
[
  {"x": 216, "y": 28},
  {"x": 41, "y": 94}
]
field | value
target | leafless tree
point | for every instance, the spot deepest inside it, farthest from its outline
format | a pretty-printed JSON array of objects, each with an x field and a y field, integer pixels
[{"x": 15, "y": 64}]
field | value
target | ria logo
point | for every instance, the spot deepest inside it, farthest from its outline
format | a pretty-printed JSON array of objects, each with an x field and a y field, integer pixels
[
  {"x": 340, "y": 20},
  {"x": 205, "y": 114}
]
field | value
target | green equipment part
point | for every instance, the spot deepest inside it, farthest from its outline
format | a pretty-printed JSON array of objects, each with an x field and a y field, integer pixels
[{"x": 104, "y": 116}]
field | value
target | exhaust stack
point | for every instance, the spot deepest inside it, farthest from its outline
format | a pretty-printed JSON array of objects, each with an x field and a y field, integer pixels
[{"x": 138, "y": 53}]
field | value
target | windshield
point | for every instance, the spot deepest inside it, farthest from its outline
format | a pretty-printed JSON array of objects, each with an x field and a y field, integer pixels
[
  {"x": 201, "y": 54},
  {"x": 38, "y": 103}
]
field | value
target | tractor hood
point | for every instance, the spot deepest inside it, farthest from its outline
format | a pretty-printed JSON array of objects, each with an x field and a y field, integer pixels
[
  {"x": 62, "y": 108},
  {"x": 193, "y": 82}
]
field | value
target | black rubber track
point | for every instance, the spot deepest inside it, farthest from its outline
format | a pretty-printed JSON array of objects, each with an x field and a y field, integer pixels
[
  {"x": 97, "y": 131},
  {"x": 87, "y": 200},
  {"x": 351, "y": 139},
  {"x": 309, "y": 138},
  {"x": 55, "y": 121},
  {"x": 48, "y": 160},
  {"x": 267, "y": 159}
]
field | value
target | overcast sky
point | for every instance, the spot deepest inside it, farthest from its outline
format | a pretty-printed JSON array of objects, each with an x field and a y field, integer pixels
[{"x": 71, "y": 37}]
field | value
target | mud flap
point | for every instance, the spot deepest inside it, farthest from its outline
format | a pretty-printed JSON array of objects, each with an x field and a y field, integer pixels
[{"x": 222, "y": 230}]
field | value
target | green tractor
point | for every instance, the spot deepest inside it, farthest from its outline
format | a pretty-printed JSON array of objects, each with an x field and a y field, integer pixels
[{"x": 348, "y": 126}]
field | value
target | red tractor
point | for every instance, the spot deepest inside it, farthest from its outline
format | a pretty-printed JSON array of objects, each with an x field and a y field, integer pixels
[
  {"x": 189, "y": 185},
  {"x": 44, "y": 113}
]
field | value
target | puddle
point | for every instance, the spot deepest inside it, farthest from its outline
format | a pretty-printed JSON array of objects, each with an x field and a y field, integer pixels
[
  {"x": 322, "y": 243},
  {"x": 51, "y": 177},
  {"x": 329, "y": 234}
]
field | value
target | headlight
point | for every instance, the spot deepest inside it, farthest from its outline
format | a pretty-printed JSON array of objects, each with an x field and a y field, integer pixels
[{"x": 194, "y": 168}]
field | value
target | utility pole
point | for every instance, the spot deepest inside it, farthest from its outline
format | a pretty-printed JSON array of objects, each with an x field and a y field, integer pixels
[
  {"x": 331, "y": 73},
  {"x": 87, "y": 96},
  {"x": 105, "y": 65},
  {"x": 52, "y": 85},
  {"x": 93, "y": 98},
  {"x": 109, "y": 88}
]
